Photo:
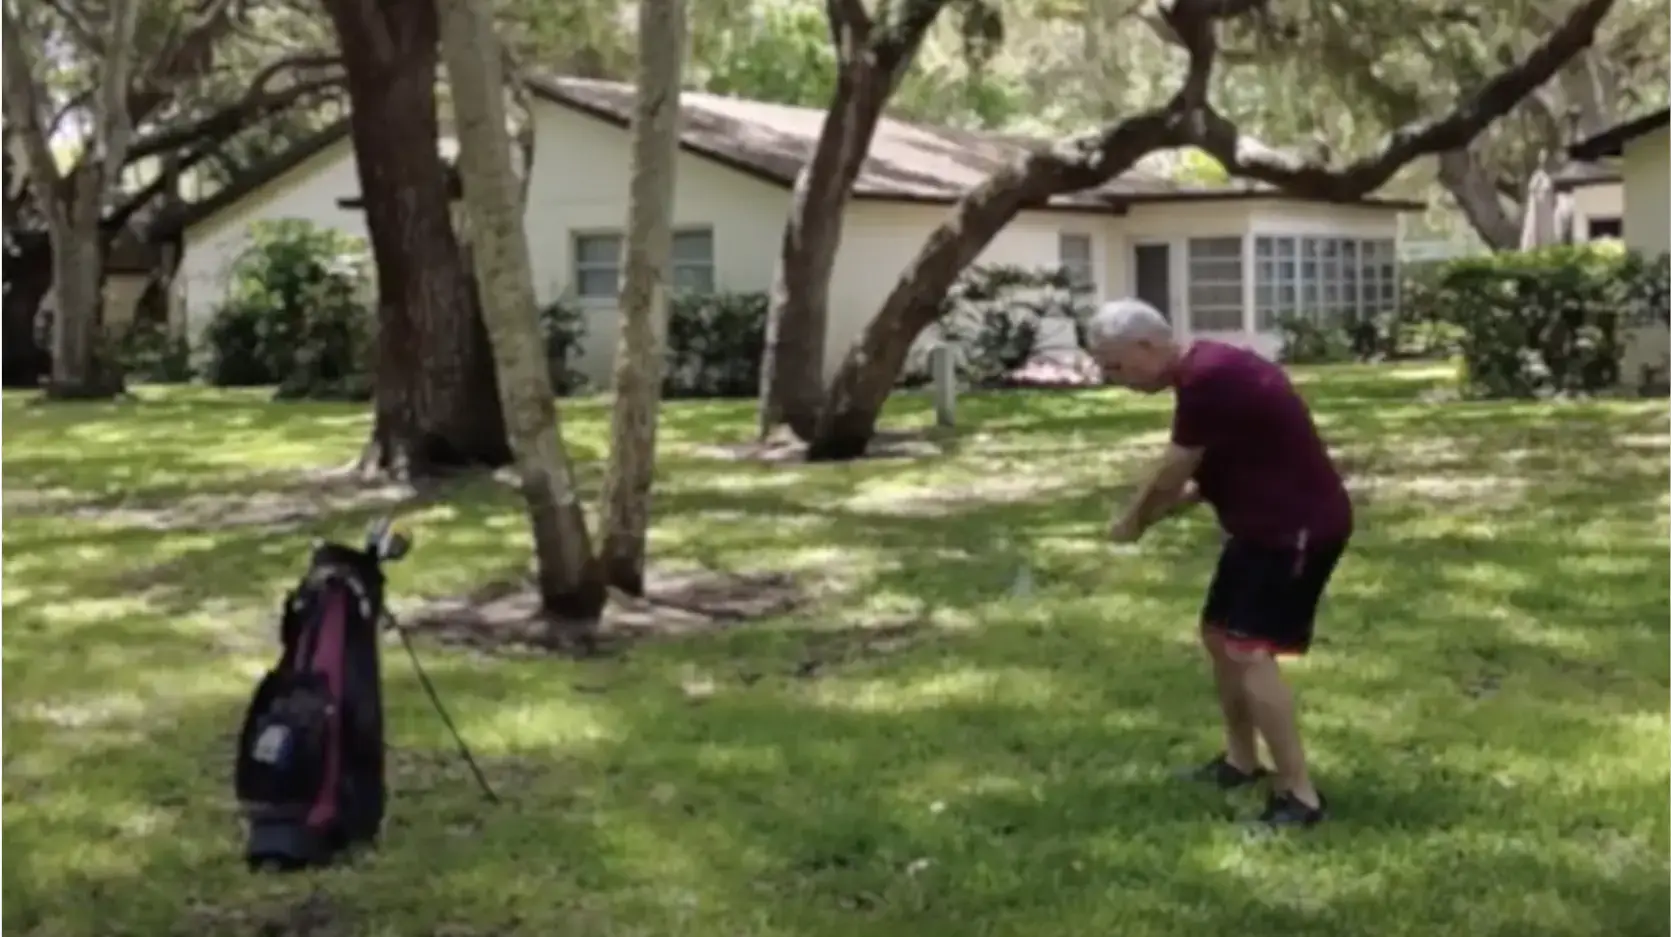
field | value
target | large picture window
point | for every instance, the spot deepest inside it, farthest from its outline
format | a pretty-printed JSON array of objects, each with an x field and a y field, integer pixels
[
  {"x": 1327, "y": 281},
  {"x": 1215, "y": 284}
]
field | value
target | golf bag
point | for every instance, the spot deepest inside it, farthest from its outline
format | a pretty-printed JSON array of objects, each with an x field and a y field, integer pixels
[{"x": 309, "y": 774}]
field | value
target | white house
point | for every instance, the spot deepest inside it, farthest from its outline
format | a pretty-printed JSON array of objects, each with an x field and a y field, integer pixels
[
  {"x": 1223, "y": 261},
  {"x": 1639, "y": 150}
]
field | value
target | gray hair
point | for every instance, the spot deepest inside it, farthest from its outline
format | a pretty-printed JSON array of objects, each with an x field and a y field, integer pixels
[{"x": 1123, "y": 320}]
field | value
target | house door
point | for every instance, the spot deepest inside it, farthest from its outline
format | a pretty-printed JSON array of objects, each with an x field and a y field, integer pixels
[{"x": 1153, "y": 263}]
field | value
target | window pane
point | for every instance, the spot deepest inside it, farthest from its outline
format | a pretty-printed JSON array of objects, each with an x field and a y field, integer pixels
[
  {"x": 597, "y": 248},
  {"x": 1308, "y": 247},
  {"x": 1285, "y": 247},
  {"x": 1225, "y": 248},
  {"x": 693, "y": 278},
  {"x": 1074, "y": 249},
  {"x": 1215, "y": 295},
  {"x": 1264, "y": 247},
  {"x": 597, "y": 282},
  {"x": 693, "y": 246},
  {"x": 1217, "y": 320}
]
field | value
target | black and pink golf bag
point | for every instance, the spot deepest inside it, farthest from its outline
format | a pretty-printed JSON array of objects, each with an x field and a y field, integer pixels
[{"x": 309, "y": 773}]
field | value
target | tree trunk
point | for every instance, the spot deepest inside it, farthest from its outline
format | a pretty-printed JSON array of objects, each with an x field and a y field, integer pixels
[
  {"x": 437, "y": 402},
  {"x": 649, "y": 248},
  {"x": 570, "y": 579},
  {"x": 873, "y": 55},
  {"x": 792, "y": 370},
  {"x": 82, "y": 365},
  {"x": 1471, "y": 184}
]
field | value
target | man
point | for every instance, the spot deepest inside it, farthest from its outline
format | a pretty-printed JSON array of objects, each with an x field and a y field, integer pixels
[{"x": 1245, "y": 439}]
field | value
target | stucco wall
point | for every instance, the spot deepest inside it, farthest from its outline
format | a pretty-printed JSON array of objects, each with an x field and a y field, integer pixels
[{"x": 1646, "y": 165}]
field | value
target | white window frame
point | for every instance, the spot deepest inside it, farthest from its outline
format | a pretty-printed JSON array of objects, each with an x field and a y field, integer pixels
[
  {"x": 1219, "y": 271},
  {"x": 679, "y": 264},
  {"x": 1082, "y": 272},
  {"x": 1331, "y": 295}
]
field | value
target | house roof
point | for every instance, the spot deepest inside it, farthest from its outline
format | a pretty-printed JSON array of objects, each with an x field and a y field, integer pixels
[
  {"x": 1577, "y": 175},
  {"x": 1611, "y": 142},
  {"x": 256, "y": 177},
  {"x": 907, "y": 162}
]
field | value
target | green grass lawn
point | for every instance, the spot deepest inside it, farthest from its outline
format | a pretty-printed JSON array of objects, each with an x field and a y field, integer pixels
[{"x": 1487, "y": 706}]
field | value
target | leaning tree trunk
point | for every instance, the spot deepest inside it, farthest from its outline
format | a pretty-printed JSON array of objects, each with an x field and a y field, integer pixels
[
  {"x": 570, "y": 579},
  {"x": 638, "y": 363},
  {"x": 437, "y": 402}
]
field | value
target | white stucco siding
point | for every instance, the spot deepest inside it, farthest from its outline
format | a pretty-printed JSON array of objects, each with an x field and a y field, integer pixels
[
  {"x": 1647, "y": 181},
  {"x": 1646, "y": 167},
  {"x": 308, "y": 192},
  {"x": 582, "y": 171},
  {"x": 1595, "y": 202}
]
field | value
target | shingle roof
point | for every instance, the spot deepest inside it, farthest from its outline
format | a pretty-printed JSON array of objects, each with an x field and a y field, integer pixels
[
  {"x": 1610, "y": 142},
  {"x": 906, "y": 162}
]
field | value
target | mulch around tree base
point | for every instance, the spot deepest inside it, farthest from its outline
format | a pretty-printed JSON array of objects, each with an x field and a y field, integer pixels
[{"x": 506, "y": 617}]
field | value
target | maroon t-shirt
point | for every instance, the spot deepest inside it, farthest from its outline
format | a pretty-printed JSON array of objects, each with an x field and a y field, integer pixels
[{"x": 1265, "y": 471}]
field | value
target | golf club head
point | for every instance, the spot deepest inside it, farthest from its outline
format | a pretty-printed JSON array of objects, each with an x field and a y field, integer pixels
[{"x": 386, "y": 543}]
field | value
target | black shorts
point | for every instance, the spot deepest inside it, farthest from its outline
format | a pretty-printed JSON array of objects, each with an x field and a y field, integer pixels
[{"x": 1265, "y": 597}]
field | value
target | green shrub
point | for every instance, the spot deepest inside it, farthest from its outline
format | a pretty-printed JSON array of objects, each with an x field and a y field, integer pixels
[
  {"x": 151, "y": 353},
  {"x": 295, "y": 315},
  {"x": 564, "y": 326},
  {"x": 1543, "y": 322},
  {"x": 1305, "y": 341},
  {"x": 994, "y": 316},
  {"x": 714, "y": 344}
]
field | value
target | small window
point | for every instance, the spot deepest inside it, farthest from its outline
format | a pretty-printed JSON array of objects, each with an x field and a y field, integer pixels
[
  {"x": 598, "y": 263},
  {"x": 1074, "y": 251},
  {"x": 597, "y": 266},
  {"x": 1607, "y": 228},
  {"x": 693, "y": 261}
]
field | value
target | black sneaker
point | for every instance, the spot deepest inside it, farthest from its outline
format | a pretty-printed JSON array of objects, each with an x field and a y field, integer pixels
[
  {"x": 1225, "y": 776},
  {"x": 1284, "y": 810}
]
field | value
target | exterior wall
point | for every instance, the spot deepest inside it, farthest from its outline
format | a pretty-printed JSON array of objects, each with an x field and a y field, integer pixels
[
  {"x": 308, "y": 192},
  {"x": 1601, "y": 200},
  {"x": 880, "y": 238},
  {"x": 580, "y": 187},
  {"x": 1646, "y": 165},
  {"x": 122, "y": 292}
]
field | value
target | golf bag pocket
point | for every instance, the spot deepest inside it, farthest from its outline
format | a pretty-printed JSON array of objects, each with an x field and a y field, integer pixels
[{"x": 283, "y": 750}]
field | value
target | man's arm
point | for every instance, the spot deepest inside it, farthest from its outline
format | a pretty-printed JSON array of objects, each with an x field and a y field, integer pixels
[{"x": 1162, "y": 494}]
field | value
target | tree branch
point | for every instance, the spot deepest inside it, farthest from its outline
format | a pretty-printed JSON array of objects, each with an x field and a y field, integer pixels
[
  {"x": 259, "y": 102},
  {"x": 27, "y": 116},
  {"x": 1249, "y": 158},
  {"x": 113, "y": 127}
]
